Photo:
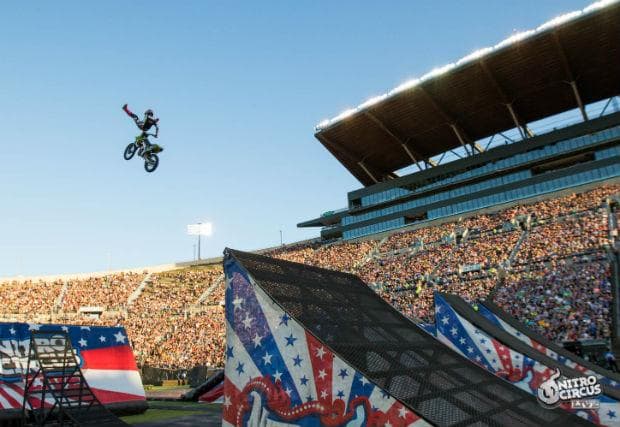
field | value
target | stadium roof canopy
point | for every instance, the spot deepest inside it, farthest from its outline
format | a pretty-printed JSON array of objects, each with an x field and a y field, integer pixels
[{"x": 566, "y": 63}]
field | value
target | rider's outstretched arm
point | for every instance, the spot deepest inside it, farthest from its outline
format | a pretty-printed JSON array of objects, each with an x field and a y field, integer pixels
[
  {"x": 129, "y": 113},
  {"x": 156, "y": 131}
]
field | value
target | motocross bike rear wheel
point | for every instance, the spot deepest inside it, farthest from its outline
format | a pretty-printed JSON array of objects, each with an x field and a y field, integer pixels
[
  {"x": 151, "y": 161},
  {"x": 130, "y": 151}
]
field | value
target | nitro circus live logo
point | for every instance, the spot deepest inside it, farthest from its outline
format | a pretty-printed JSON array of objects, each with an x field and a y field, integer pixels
[{"x": 580, "y": 392}]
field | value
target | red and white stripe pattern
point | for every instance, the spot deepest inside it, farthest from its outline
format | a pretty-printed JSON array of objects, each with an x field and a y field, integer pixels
[{"x": 106, "y": 360}]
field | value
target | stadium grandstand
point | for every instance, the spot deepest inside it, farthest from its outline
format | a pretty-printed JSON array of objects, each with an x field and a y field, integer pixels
[
  {"x": 535, "y": 114},
  {"x": 514, "y": 197}
]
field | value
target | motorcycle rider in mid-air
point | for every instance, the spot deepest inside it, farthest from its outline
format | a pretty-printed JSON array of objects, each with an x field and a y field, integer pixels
[{"x": 144, "y": 125}]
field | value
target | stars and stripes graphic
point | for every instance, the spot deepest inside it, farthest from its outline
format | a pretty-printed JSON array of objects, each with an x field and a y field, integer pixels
[
  {"x": 484, "y": 311},
  {"x": 104, "y": 354},
  {"x": 496, "y": 357},
  {"x": 279, "y": 374}
]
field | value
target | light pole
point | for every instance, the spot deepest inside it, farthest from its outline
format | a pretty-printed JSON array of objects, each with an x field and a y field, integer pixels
[
  {"x": 199, "y": 224},
  {"x": 200, "y": 229}
]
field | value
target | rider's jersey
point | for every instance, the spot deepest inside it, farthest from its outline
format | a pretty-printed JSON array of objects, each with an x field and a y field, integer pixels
[{"x": 148, "y": 123}]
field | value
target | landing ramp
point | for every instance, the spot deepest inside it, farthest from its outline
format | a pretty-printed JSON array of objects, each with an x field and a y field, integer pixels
[
  {"x": 475, "y": 337},
  {"x": 520, "y": 331},
  {"x": 309, "y": 346}
]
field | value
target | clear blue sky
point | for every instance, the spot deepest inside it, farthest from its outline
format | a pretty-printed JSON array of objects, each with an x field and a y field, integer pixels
[{"x": 238, "y": 87}]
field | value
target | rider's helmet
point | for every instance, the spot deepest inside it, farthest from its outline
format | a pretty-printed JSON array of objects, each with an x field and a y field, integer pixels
[{"x": 149, "y": 113}]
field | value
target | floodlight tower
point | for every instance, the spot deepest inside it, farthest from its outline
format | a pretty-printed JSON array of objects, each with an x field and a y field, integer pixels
[{"x": 200, "y": 229}]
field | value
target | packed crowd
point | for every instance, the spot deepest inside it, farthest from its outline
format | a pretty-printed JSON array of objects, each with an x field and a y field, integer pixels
[
  {"x": 421, "y": 236},
  {"x": 175, "y": 291},
  {"x": 108, "y": 292},
  {"x": 538, "y": 248},
  {"x": 564, "y": 300},
  {"x": 338, "y": 256},
  {"x": 403, "y": 270},
  {"x": 154, "y": 316},
  {"x": 193, "y": 341},
  {"x": 29, "y": 297},
  {"x": 417, "y": 302},
  {"x": 566, "y": 235},
  {"x": 485, "y": 252}
]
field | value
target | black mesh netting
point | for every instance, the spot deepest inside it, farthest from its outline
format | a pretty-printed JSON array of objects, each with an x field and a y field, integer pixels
[{"x": 432, "y": 380}]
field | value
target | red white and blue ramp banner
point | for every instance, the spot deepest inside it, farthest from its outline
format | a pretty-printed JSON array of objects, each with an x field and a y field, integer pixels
[
  {"x": 278, "y": 374},
  {"x": 542, "y": 349},
  {"x": 104, "y": 354},
  {"x": 523, "y": 372}
]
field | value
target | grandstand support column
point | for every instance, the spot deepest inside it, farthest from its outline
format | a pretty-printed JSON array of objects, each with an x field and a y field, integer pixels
[
  {"x": 363, "y": 166},
  {"x": 462, "y": 140},
  {"x": 609, "y": 101},
  {"x": 393, "y": 136},
  {"x": 523, "y": 129},
  {"x": 458, "y": 135},
  {"x": 573, "y": 85},
  {"x": 456, "y": 154},
  {"x": 504, "y": 98},
  {"x": 332, "y": 146},
  {"x": 569, "y": 75}
]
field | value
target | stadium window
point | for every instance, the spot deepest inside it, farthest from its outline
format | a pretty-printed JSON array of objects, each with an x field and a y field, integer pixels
[
  {"x": 514, "y": 194},
  {"x": 582, "y": 140},
  {"x": 518, "y": 193},
  {"x": 541, "y": 187}
]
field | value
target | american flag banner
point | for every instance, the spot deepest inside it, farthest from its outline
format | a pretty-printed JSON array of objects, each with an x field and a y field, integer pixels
[
  {"x": 541, "y": 348},
  {"x": 522, "y": 371},
  {"x": 104, "y": 355},
  {"x": 278, "y": 374}
]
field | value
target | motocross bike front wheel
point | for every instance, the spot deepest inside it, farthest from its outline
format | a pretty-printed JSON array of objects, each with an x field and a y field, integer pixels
[
  {"x": 130, "y": 151},
  {"x": 151, "y": 161}
]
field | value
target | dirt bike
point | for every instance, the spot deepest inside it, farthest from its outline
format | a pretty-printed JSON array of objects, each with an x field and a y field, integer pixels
[{"x": 146, "y": 150}]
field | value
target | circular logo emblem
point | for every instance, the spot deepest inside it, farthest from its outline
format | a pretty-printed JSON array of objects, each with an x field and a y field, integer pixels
[{"x": 548, "y": 392}]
